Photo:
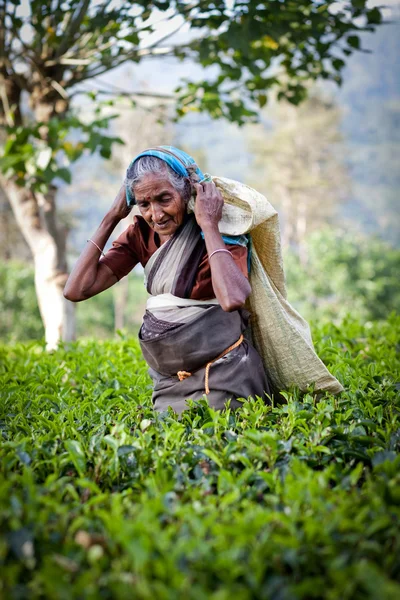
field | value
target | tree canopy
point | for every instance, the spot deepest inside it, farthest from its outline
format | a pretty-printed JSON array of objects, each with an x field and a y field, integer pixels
[
  {"x": 49, "y": 47},
  {"x": 256, "y": 45}
]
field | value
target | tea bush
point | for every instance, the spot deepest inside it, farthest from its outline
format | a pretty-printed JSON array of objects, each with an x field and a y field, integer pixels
[{"x": 102, "y": 498}]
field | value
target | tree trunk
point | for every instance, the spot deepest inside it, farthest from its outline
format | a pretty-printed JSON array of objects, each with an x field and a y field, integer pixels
[{"x": 36, "y": 217}]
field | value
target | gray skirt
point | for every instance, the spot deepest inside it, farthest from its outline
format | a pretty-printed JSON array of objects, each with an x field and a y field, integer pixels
[{"x": 189, "y": 347}]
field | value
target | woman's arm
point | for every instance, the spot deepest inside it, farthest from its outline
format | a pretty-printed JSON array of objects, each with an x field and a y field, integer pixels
[
  {"x": 89, "y": 276},
  {"x": 231, "y": 287}
]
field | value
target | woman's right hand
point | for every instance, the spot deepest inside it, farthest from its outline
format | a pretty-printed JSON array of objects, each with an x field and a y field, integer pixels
[{"x": 119, "y": 208}]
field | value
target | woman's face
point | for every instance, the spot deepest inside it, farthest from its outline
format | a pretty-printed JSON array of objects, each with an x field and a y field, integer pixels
[{"x": 160, "y": 204}]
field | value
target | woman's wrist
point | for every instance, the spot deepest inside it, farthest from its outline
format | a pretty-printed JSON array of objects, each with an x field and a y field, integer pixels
[{"x": 209, "y": 227}]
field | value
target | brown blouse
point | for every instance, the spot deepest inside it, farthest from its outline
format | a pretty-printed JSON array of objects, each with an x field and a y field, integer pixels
[{"x": 138, "y": 242}]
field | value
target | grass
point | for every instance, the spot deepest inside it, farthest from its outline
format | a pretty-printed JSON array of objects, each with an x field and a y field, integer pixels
[{"x": 100, "y": 497}]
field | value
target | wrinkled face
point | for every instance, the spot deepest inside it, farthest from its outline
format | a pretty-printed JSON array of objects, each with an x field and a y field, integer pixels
[{"x": 160, "y": 204}]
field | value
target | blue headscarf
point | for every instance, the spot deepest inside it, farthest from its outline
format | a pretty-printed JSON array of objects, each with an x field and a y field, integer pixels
[{"x": 181, "y": 162}]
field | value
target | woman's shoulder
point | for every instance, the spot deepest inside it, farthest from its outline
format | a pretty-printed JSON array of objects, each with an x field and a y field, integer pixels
[{"x": 137, "y": 227}]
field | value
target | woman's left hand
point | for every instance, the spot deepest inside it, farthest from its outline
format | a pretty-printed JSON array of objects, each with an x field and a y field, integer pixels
[{"x": 208, "y": 205}]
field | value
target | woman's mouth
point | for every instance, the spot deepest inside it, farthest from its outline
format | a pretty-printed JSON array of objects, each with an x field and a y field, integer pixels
[{"x": 162, "y": 225}]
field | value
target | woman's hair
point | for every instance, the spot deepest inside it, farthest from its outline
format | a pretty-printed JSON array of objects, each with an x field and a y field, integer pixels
[{"x": 147, "y": 165}]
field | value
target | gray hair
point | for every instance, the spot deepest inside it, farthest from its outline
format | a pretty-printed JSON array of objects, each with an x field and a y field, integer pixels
[{"x": 147, "y": 165}]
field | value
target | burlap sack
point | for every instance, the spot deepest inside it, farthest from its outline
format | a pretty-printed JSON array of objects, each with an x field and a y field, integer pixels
[{"x": 281, "y": 336}]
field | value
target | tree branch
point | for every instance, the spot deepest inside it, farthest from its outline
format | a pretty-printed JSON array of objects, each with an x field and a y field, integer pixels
[
  {"x": 72, "y": 28},
  {"x": 58, "y": 87},
  {"x": 84, "y": 60},
  {"x": 6, "y": 105},
  {"x": 2, "y": 34},
  {"x": 127, "y": 94},
  {"x": 20, "y": 80},
  {"x": 28, "y": 50},
  {"x": 143, "y": 53},
  {"x": 69, "y": 61},
  {"x": 100, "y": 69},
  {"x": 165, "y": 37}
]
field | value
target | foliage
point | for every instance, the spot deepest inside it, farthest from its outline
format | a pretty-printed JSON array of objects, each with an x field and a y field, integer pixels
[
  {"x": 308, "y": 39},
  {"x": 100, "y": 496},
  {"x": 255, "y": 46},
  {"x": 95, "y": 318},
  {"x": 344, "y": 273},
  {"x": 259, "y": 46},
  {"x": 35, "y": 162}
]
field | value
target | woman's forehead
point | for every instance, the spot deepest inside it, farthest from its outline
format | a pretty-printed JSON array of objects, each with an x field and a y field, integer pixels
[{"x": 153, "y": 185}]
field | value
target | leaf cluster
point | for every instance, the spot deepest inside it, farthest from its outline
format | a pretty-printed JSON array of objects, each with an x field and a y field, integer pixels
[
  {"x": 99, "y": 495},
  {"x": 273, "y": 45},
  {"x": 38, "y": 153}
]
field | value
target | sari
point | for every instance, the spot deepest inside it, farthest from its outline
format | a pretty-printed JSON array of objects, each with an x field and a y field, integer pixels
[{"x": 180, "y": 335}]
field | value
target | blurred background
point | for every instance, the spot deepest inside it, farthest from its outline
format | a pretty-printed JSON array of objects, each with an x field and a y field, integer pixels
[{"x": 329, "y": 165}]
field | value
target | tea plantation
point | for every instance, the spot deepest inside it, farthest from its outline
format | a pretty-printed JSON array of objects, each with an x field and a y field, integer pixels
[{"x": 102, "y": 498}]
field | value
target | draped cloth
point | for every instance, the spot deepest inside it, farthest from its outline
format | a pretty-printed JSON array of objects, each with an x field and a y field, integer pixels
[
  {"x": 181, "y": 334},
  {"x": 185, "y": 250}
]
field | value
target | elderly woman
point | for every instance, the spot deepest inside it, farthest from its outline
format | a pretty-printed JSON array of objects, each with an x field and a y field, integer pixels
[{"x": 192, "y": 331}]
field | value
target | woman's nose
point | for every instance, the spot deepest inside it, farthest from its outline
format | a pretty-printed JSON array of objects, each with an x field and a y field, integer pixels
[{"x": 156, "y": 213}]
